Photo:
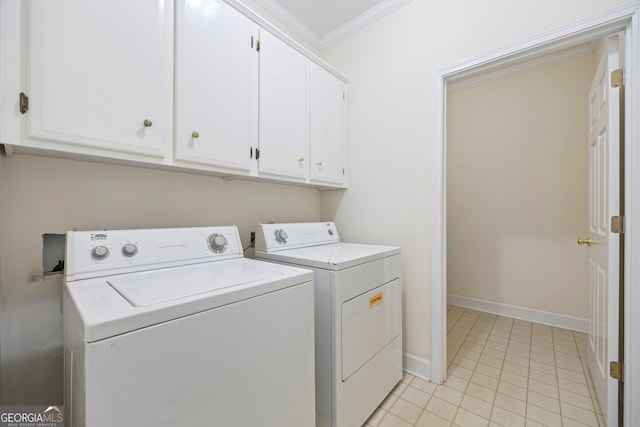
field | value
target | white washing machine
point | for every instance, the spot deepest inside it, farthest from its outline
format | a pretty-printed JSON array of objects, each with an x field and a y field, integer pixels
[
  {"x": 358, "y": 316},
  {"x": 173, "y": 327}
]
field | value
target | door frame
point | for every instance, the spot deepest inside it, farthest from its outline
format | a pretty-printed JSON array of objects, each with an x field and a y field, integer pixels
[{"x": 625, "y": 17}]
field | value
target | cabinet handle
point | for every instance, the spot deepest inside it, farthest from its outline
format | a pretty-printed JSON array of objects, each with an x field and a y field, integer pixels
[
  {"x": 195, "y": 135},
  {"x": 319, "y": 163},
  {"x": 147, "y": 123},
  {"x": 301, "y": 159}
]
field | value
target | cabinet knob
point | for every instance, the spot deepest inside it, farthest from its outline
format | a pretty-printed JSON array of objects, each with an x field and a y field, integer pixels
[
  {"x": 147, "y": 123},
  {"x": 195, "y": 135},
  {"x": 301, "y": 159},
  {"x": 319, "y": 163}
]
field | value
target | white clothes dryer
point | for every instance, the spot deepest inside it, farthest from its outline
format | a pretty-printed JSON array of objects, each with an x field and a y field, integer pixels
[
  {"x": 358, "y": 316},
  {"x": 173, "y": 327}
]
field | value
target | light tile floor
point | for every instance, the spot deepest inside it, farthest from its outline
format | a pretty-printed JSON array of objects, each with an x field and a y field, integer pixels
[{"x": 501, "y": 372}]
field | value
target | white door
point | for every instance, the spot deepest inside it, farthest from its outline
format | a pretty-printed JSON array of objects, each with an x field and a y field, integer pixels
[
  {"x": 100, "y": 75},
  {"x": 216, "y": 85},
  {"x": 326, "y": 127},
  {"x": 604, "y": 202},
  {"x": 284, "y": 127}
]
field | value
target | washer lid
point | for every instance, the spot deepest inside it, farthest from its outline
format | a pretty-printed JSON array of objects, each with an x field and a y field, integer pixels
[
  {"x": 334, "y": 256},
  {"x": 161, "y": 286},
  {"x": 109, "y": 306}
]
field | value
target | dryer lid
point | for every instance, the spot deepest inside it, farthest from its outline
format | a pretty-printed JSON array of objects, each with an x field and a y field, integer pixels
[{"x": 335, "y": 256}]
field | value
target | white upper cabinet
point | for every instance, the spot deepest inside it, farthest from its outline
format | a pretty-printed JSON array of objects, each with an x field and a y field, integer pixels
[
  {"x": 216, "y": 85},
  {"x": 199, "y": 85},
  {"x": 284, "y": 106},
  {"x": 100, "y": 78},
  {"x": 327, "y": 127}
]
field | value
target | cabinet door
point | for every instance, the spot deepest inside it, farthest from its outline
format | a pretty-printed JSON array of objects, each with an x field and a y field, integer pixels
[
  {"x": 216, "y": 85},
  {"x": 100, "y": 75},
  {"x": 283, "y": 134},
  {"x": 327, "y": 127}
]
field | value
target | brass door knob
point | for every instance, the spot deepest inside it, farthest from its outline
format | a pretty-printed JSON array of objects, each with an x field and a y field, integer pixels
[
  {"x": 195, "y": 135},
  {"x": 147, "y": 123},
  {"x": 301, "y": 159},
  {"x": 319, "y": 164},
  {"x": 587, "y": 241}
]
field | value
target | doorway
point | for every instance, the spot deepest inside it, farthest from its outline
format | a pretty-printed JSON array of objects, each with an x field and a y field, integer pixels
[
  {"x": 622, "y": 18},
  {"x": 517, "y": 192}
]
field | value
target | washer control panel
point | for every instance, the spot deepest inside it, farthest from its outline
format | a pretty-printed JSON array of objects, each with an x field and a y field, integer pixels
[
  {"x": 276, "y": 237},
  {"x": 99, "y": 253}
]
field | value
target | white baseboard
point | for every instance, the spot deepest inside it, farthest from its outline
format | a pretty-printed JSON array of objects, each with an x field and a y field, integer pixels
[
  {"x": 546, "y": 318},
  {"x": 417, "y": 366}
]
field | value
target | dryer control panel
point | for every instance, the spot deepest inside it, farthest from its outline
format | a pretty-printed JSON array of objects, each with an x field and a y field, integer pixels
[
  {"x": 284, "y": 236},
  {"x": 107, "y": 252}
]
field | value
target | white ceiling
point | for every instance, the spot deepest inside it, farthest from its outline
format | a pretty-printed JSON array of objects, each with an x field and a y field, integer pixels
[{"x": 323, "y": 22}]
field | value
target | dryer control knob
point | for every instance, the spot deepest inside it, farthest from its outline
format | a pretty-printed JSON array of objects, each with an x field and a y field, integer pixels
[
  {"x": 217, "y": 242},
  {"x": 281, "y": 236},
  {"x": 99, "y": 252},
  {"x": 129, "y": 249}
]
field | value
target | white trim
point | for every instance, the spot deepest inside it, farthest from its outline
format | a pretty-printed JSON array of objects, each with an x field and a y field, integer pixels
[
  {"x": 322, "y": 41},
  {"x": 281, "y": 13},
  {"x": 553, "y": 58},
  {"x": 522, "y": 313},
  {"x": 361, "y": 21},
  {"x": 632, "y": 225},
  {"x": 586, "y": 30},
  {"x": 438, "y": 237},
  {"x": 416, "y": 366}
]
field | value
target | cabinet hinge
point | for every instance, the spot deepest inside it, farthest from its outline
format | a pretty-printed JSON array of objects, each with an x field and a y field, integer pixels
[
  {"x": 24, "y": 103},
  {"x": 342, "y": 171},
  {"x": 616, "y": 370},
  {"x": 251, "y": 152},
  {"x": 617, "y": 224},
  {"x": 257, "y": 45},
  {"x": 257, "y": 153},
  {"x": 617, "y": 78},
  {"x": 251, "y": 42}
]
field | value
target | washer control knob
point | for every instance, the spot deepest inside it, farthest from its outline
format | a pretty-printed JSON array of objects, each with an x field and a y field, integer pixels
[
  {"x": 99, "y": 252},
  {"x": 217, "y": 242},
  {"x": 129, "y": 250},
  {"x": 281, "y": 236}
]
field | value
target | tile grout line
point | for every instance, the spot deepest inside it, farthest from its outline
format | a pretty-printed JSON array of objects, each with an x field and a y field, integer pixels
[
  {"x": 593, "y": 402},
  {"x": 526, "y": 402},
  {"x": 553, "y": 336},
  {"x": 493, "y": 404},
  {"x": 476, "y": 367}
]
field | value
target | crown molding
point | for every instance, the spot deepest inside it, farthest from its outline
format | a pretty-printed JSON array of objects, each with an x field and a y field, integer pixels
[
  {"x": 290, "y": 20},
  {"x": 321, "y": 42},
  {"x": 361, "y": 21}
]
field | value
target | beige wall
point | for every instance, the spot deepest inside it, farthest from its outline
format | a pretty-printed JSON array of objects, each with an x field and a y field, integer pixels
[
  {"x": 46, "y": 195},
  {"x": 390, "y": 65},
  {"x": 517, "y": 189}
]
